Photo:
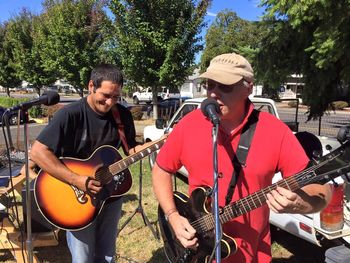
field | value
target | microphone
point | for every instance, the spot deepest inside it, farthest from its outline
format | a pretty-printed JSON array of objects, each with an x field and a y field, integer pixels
[
  {"x": 210, "y": 109},
  {"x": 48, "y": 98}
]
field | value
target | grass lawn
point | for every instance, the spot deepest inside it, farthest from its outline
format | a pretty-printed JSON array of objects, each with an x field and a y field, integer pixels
[{"x": 136, "y": 242}]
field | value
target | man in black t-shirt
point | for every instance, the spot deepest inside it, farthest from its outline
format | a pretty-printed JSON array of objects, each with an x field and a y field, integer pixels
[{"x": 77, "y": 130}]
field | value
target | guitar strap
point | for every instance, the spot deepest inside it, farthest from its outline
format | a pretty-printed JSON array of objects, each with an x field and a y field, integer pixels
[
  {"x": 120, "y": 126},
  {"x": 239, "y": 159}
]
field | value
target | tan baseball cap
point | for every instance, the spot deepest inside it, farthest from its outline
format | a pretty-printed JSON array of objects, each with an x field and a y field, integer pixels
[{"x": 228, "y": 69}]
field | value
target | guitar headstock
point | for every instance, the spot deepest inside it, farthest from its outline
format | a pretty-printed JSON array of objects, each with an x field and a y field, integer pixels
[{"x": 328, "y": 167}]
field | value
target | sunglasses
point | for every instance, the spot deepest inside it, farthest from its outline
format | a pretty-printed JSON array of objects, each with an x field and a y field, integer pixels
[{"x": 211, "y": 85}]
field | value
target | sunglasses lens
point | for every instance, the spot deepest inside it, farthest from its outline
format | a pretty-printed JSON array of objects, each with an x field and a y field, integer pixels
[{"x": 211, "y": 85}]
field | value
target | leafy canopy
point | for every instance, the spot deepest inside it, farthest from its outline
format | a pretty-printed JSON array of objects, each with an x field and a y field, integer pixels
[
  {"x": 310, "y": 37},
  {"x": 230, "y": 33},
  {"x": 69, "y": 38},
  {"x": 157, "y": 39}
]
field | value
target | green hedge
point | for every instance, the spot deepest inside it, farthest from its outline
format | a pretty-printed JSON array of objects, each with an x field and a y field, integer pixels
[
  {"x": 7, "y": 102},
  {"x": 339, "y": 105}
]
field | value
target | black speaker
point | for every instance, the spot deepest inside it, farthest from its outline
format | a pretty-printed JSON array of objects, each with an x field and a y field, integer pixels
[{"x": 39, "y": 223}]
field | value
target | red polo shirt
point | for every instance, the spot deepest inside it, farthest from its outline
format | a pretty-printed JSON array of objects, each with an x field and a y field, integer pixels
[{"x": 273, "y": 148}]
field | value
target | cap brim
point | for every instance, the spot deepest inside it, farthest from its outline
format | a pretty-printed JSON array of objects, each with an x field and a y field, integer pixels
[{"x": 221, "y": 77}]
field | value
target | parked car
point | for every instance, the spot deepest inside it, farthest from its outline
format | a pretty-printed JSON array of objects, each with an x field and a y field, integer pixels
[
  {"x": 122, "y": 101},
  {"x": 308, "y": 227},
  {"x": 146, "y": 95},
  {"x": 166, "y": 108},
  {"x": 12, "y": 117}
]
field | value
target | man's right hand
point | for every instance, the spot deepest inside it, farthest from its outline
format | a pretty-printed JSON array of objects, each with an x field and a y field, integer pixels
[
  {"x": 87, "y": 184},
  {"x": 184, "y": 232}
]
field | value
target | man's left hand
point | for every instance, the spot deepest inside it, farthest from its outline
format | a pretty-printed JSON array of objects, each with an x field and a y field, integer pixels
[{"x": 282, "y": 200}]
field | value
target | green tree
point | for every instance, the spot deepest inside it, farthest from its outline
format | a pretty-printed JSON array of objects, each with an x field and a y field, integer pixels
[
  {"x": 71, "y": 39},
  {"x": 27, "y": 62},
  {"x": 312, "y": 38},
  {"x": 230, "y": 33},
  {"x": 157, "y": 40},
  {"x": 7, "y": 72}
]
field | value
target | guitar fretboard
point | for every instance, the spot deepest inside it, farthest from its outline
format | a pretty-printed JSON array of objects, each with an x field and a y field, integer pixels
[
  {"x": 331, "y": 166},
  {"x": 121, "y": 165}
]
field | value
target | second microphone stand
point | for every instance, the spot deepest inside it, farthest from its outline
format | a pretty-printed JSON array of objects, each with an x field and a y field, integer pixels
[{"x": 140, "y": 210}]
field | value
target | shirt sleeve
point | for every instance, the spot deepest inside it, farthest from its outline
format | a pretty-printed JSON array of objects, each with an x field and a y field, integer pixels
[
  {"x": 56, "y": 132},
  {"x": 169, "y": 156},
  {"x": 293, "y": 158}
]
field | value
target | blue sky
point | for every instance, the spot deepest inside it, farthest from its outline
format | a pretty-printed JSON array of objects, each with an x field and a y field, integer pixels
[{"x": 247, "y": 9}]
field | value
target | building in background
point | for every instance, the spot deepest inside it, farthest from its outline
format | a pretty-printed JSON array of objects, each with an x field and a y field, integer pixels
[
  {"x": 192, "y": 88},
  {"x": 292, "y": 88}
]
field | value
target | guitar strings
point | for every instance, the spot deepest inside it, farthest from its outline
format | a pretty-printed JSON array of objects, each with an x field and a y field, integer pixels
[
  {"x": 207, "y": 223},
  {"x": 104, "y": 177}
]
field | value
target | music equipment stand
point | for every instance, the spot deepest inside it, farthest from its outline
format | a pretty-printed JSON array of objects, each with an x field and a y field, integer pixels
[{"x": 140, "y": 210}]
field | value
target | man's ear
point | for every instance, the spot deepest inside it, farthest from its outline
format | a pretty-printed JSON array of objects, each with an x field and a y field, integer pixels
[
  {"x": 91, "y": 87},
  {"x": 250, "y": 88}
]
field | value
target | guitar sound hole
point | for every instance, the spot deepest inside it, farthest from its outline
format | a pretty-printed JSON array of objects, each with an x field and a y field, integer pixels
[{"x": 103, "y": 175}]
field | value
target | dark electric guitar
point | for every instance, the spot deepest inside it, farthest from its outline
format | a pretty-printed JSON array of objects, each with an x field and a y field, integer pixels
[
  {"x": 197, "y": 209},
  {"x": 67, "y": 207}
]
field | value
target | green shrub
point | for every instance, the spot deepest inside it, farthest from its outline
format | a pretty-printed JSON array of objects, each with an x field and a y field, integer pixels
[
  {"x": 339, "y": 105},
  {"x": 9, "y": 101},
  {"x": 36, "y": 111},
  {"x": 136, "y": 113}
]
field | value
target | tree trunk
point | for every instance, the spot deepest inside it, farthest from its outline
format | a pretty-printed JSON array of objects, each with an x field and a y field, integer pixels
[{"x": 155, "y": 101}]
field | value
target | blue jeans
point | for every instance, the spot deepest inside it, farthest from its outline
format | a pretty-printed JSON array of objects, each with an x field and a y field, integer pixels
[{"x": 96, "y": 243}]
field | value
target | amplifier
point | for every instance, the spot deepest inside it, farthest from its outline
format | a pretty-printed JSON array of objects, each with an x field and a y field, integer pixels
[{"x": 39, "y": 223}]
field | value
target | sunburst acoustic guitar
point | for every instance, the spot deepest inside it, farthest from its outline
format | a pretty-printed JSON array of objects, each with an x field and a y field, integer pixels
[{"x": 67, "y": 207}]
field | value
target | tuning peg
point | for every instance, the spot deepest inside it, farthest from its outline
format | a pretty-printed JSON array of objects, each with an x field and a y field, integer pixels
[
  {"x": 335, "y": 183},
  {"x": 346, "y": 177},
  {"x": 343, "y": 134},
  {"x": 316, "y": 154},
  {"x": 328, "y": 147}
]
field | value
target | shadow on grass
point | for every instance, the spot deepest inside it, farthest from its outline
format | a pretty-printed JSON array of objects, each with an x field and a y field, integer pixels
[
  {"x": 158, "y": 256},
  {"x": 129, "y": 198},
  {"x": 299, "y": 249},
  {"x": 55, "y": 254}
]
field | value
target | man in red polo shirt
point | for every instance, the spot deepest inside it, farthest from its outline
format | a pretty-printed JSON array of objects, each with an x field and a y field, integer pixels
[{"x": 273, "y": 148}]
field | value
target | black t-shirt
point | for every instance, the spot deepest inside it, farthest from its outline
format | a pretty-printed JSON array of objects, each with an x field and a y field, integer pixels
[{"x": 77, "y": 131}]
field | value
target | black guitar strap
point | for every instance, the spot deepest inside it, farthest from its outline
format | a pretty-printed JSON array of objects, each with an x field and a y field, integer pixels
[{"x": 239, "y": 159}]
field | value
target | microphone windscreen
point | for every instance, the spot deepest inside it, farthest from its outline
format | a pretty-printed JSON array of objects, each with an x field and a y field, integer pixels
[
  {"x": 206, "y": 103},
  {"x": 52, "y": 98}
]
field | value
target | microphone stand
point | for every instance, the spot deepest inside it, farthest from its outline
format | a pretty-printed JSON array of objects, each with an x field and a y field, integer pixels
[
  {"x": 29, "y": 242},
  {"x": 216, "y": 195}
]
